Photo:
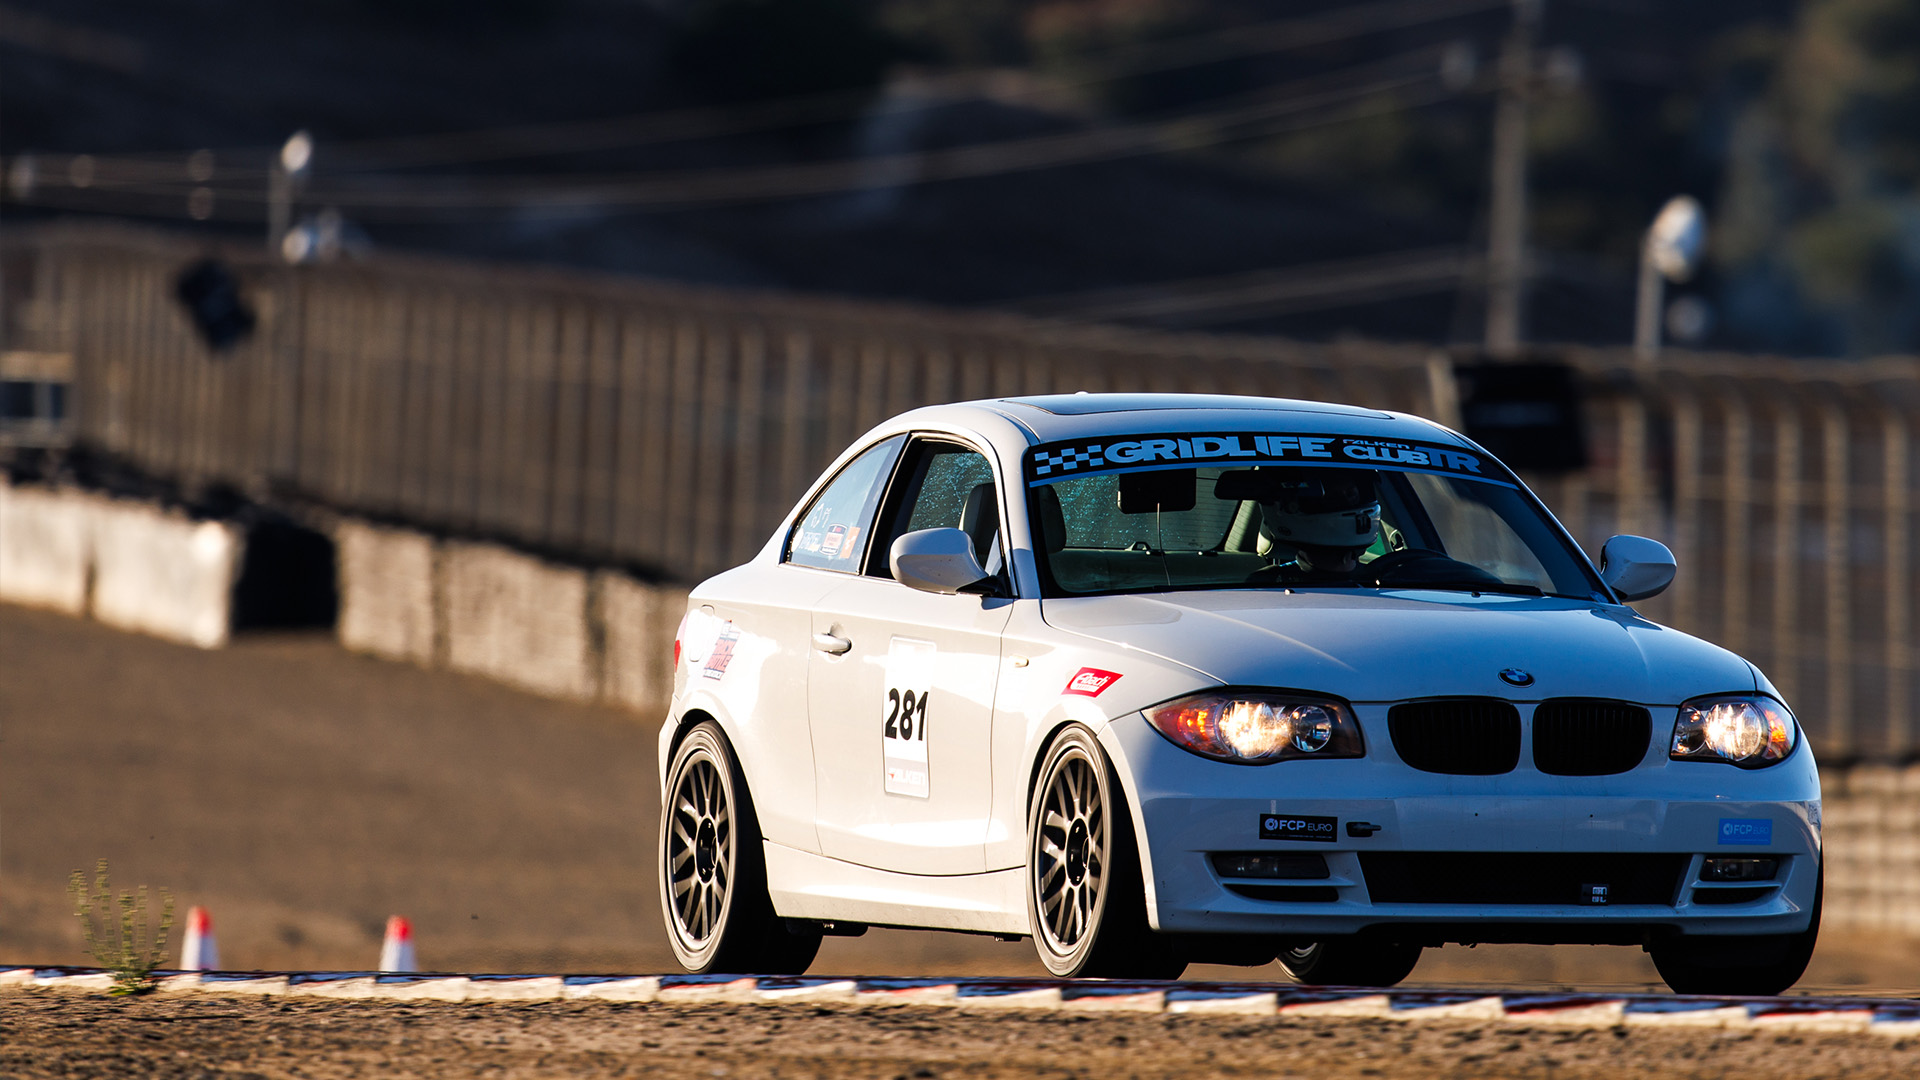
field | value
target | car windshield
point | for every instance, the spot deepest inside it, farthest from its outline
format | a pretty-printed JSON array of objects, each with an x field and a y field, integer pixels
[{"x": 1149, "y": 513}]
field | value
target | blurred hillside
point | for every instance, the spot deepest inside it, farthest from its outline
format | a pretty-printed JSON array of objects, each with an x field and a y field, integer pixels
[{"x": 1216, "y": 164}]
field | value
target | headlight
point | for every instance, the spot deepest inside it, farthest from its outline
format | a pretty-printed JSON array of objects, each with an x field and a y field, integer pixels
[
  {"x": 1747, "y": 730},
  {"x": 1256, "y": 727}
]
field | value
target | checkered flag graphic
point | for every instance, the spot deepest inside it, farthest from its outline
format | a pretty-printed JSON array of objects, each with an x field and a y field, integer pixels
[{"x": 1067, "y": 460}]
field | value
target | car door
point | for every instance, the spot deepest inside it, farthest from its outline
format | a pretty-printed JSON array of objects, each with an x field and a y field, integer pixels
[
  {"x": 900, "y": 687},
  {"x": 750, "y": 646}
]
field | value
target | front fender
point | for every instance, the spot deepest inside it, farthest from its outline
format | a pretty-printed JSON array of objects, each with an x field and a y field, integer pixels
[{"x": 1038, "y": 696}]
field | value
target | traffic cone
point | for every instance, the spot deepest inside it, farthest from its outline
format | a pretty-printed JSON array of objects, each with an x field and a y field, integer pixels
[
  {"x": 198, "y": 952},
  {"x": 396, "y": 952}
]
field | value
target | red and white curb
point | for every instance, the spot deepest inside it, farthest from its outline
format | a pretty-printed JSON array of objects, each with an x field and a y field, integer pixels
[{"x": 1897, "y": 1017}]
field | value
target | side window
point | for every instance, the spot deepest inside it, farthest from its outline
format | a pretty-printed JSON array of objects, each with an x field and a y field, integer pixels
[
  {"x": 837, "y": 526},
  {"x": 946, "y": 485}
]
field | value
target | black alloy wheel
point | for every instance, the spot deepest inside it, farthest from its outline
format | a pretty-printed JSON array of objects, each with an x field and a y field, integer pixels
[
  {"x": 713, "y": 885},
  {"x": 1085, "y": 895}
]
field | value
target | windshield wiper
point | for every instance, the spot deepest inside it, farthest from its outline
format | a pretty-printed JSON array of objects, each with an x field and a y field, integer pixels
[{"x": 1508, "y": 587}]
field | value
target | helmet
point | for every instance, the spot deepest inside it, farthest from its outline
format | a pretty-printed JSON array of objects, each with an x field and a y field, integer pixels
[{"x": 1326, "y": 508}]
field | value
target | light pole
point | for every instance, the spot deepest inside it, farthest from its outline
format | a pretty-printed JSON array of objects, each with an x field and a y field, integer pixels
[
  {"x": 288, "y": 168},
  {"x": 1507, "y": 224},
  {"x": 1672, "y": 249}
]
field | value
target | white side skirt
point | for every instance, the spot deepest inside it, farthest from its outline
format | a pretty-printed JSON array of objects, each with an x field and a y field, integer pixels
[{"x": 808, "y": 886}]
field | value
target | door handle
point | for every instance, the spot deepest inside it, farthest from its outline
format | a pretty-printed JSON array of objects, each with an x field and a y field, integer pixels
[{"x": 831, "y": 643}]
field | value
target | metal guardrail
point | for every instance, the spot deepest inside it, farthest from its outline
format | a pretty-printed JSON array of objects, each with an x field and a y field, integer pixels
[{"x": 669, "y": 428}]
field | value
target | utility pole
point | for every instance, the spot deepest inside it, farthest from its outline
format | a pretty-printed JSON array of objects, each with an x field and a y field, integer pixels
[{"x": 1507, "y": 221}]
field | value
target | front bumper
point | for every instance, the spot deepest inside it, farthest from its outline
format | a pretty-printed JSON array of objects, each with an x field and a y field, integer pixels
[{"x": 1665, "y": 815}]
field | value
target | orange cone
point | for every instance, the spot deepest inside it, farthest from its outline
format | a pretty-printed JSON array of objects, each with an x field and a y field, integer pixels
[
  {"x": 198, "y": 952},
  {"x": 396, "y": 952}
]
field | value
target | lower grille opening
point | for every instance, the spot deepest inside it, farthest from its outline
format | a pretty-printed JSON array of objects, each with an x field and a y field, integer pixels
[
  {"x": 1731, "y": 896},
  {"x": 1292, "y": 894},
  {"x": 1460, "y": 736},
  {"x": 1521, "y": 877}
]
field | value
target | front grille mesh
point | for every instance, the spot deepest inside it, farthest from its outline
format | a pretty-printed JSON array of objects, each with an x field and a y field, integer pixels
[
  {"x": 1589, "y": 737},
  {"x": 1461, "y": 736}
]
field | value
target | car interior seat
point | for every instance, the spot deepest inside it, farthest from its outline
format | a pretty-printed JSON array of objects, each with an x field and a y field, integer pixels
[
  {"x": 980, "y": 520},
  {"x": 1052, "y": 525}
]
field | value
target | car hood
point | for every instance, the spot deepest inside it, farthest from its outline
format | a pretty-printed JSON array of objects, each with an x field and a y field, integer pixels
[{"x": 1393, "y": 645}]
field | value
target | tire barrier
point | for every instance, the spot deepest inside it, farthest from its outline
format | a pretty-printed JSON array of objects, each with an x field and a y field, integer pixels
[{"x": 1892, "y": 1017}]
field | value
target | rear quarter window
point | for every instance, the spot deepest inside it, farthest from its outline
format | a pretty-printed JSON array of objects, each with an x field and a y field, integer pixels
[{"x": 836, "y": 527}]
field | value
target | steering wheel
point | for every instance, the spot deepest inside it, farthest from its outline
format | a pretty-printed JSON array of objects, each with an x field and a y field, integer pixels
[{"x": 1421, "y": 566}]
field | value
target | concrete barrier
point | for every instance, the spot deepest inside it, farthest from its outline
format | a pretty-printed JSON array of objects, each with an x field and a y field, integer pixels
[
  {"x": 44, "y": 549},
  {"x": 388, "y": 592},
  {"x": 519, "y": 620},
  {"x": 491, "y": 611},
  {"x": 161, "y": 573},
  {"x": 1871, "y": 829},
  {"x": 129, "y": 564},
  {"x": 637, "y": 622}
]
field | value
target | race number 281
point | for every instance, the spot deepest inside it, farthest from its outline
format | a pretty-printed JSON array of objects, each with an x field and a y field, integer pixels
[
  {"x": 907, "y": 713},
  {"x": 903, "y": 735}
]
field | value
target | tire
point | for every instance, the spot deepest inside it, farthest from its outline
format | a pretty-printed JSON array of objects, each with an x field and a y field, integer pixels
[
  {"x": 1347, "y": 961},
  {"x": 1761, "y": 965},
  {"x": 1086, "y": 897},
  {"x": 712, "y": 870},
  {"x": 1230, "y": 950}
]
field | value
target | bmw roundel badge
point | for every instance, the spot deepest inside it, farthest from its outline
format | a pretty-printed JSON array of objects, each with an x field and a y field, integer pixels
[{"x": 1513, "y": 676}]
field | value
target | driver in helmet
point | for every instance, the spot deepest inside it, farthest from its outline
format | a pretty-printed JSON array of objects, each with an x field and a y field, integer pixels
[{"x": 1326, "y": 518}]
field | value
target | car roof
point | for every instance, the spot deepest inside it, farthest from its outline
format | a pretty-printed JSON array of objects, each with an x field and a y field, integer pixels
[
  {"x": 1053, "y": 417},
  {"x": 1086, "y": 404}
]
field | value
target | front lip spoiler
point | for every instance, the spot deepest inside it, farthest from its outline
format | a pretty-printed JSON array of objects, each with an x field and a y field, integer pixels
[{"x": 1564, "y": 932}]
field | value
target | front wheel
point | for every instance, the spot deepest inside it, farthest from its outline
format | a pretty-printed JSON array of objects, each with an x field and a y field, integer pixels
[
  {"x": 1086, "y": 898},
  {"x": 1746, "y": 966},
  {"x": 713, "y": 875},
  {"x": 1350, "y": 962}
]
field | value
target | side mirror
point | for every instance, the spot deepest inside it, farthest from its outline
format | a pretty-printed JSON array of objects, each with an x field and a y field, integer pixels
[
  {"x": 935, "y": 561},
  {"x": 1635, "y": 567}
]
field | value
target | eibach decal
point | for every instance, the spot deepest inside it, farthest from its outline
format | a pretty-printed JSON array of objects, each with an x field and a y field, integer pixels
[
  {"x": 1052, "y": 462},
  {"x": 722, "y": 652},
  {"x": 1090, "y": 682}
]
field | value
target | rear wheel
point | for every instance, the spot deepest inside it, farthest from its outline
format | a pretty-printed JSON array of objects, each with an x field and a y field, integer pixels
[
  {"x": 1746, "y": 966},
  {"x": 713, "y": 877},
  {"x": 1350, "y": 962},
  {"x": 1086, "y": 898}
]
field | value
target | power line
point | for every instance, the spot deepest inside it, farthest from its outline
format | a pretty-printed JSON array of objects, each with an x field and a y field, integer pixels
[
  {"x": 1308, "y": 287},
  {"x": 1338, "y": 25},
  {"x": 1268, "y": 112},
  {"x": 541, "y": 140},
  {"x": 68, "y": 41}
]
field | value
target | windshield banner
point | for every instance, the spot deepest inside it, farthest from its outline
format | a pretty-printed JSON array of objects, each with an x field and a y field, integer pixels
[{"x": 1051, "y": 462}]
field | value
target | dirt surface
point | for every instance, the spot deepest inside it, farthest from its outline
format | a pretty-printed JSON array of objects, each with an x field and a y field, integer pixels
[
  {"x": 70, "y": 1035},
  {"x": 303, "y": 794}
]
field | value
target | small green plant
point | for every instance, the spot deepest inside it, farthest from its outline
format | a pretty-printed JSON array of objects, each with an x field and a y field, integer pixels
[{"x": 118, "y": 930}]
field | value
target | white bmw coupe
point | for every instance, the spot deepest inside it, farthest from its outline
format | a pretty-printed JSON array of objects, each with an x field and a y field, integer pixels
[{"x": 1160, "y": 679}]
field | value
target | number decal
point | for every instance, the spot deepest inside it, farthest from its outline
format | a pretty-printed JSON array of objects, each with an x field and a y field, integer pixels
[
  {"x": 907, "y": 714},
  {"x": 903, "y": 736}
]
